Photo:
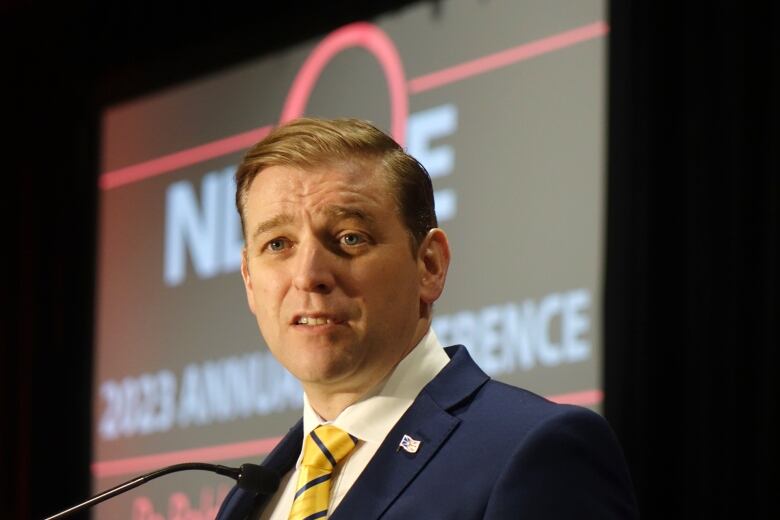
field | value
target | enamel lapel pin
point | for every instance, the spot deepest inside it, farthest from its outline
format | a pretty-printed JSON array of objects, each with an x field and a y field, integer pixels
[{"x": 408, "y": 444}]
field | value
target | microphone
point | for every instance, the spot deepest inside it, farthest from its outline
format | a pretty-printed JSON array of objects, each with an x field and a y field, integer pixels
[{"x": 256, "y": 480}]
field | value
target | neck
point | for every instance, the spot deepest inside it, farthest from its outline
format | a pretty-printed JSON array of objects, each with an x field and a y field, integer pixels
[{"x": 329, "y": 406}]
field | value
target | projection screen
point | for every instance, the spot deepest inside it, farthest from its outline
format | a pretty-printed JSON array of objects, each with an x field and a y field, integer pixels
[{"x": 502, "y": 101}]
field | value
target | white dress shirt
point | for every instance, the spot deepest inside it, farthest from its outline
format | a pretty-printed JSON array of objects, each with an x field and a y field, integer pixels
[{"x": 370, "y": 420}]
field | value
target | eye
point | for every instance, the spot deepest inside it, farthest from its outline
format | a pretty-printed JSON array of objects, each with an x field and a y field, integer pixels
[
  {"x": 277, "y": 244},
  {"x": 351, "y": 239}
]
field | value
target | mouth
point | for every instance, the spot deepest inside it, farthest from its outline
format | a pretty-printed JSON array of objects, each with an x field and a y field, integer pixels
[{"x": 315, "y": 320}]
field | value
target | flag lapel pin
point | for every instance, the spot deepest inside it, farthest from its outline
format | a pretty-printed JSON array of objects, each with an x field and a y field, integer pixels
[{"x": 408, "y": 444}]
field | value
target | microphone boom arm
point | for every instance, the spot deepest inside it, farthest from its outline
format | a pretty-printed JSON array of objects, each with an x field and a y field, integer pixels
[{"x": 234, "y": 473}]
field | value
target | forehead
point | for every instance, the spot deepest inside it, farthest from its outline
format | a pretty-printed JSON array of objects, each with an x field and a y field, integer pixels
[{"x": 288, "y": 188}]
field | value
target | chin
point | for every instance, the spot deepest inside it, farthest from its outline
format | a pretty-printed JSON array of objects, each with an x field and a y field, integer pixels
[{"x": 320, "y": 367}]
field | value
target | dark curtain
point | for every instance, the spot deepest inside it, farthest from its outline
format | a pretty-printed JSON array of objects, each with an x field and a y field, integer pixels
[
  {"x": 691, "y": 301},
  {"x": 691, "y": 292},
  {"x": 48, "y": 203}
]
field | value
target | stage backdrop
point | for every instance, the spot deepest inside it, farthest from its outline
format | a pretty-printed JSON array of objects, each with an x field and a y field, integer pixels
[{"x": 502, "y": 101}]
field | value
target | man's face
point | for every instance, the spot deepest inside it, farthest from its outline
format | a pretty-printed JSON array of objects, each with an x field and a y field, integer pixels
[{"x": 330, "y": 276}]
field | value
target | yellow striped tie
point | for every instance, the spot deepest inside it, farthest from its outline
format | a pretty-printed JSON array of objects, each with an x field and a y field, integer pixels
[{"x": 325, "y": 446}]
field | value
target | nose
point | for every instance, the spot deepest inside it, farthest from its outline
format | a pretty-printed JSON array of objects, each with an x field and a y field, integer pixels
[{"x": 313, "y": 268}]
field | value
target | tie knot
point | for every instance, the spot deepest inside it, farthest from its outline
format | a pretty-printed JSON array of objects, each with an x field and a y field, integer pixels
[{"x": 325, "y": 446}]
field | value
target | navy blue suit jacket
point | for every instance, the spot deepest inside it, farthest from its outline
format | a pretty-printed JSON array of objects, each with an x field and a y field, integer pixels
[{"x": 488, "y": 450}]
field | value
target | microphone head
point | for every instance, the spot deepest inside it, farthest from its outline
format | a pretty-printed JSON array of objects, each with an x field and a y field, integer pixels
[{"x": 259, "y": 479}]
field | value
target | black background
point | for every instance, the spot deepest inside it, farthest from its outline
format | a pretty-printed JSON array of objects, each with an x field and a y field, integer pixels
[{"x": 691, "y": 297}]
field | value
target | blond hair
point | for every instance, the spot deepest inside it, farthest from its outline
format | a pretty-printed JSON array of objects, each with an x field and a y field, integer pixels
[{"x": 309, "y": 144}]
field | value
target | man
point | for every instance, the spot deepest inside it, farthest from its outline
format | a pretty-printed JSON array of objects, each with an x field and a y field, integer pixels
[{"x": 342, "y": 264}]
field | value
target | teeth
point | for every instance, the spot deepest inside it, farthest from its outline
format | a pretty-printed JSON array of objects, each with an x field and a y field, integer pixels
[{"x": 306, "y": 320}]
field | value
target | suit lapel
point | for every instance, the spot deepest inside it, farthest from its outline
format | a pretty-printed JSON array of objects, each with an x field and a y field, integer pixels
[
  {"x": 391, "y": 468},
  {"x": 282, "y": 458},
  {"x": 428, "y": 421},
  {"x": 239, "y": 504}
]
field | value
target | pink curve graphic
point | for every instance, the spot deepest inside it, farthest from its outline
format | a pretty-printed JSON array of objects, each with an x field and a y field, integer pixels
[
  {"x": 507, "y": 57},
  {"x": 187, "y": 157},
  {"x": 583, "y": 398},
  {"x": 359, "y": 34}
]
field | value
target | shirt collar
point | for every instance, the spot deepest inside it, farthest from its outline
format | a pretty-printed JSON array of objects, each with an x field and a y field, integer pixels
[{"x": 371, "y": 418}]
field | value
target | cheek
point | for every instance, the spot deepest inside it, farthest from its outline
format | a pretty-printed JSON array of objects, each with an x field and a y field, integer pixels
[
  {"x": 393, "y": 283},
  {"x": 269, "y": 291}
]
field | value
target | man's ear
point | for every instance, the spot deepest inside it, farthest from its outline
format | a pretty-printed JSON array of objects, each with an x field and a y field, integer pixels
[
  {"x": 433, "y": 259},
  {"x": 250, "y": 293}
]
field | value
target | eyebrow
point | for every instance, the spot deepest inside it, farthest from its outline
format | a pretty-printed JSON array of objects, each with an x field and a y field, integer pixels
[
  {"x": 343, "y": 212},
  {"x": 331, "y": 212},
  {"x": 271, "y": 223}
]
